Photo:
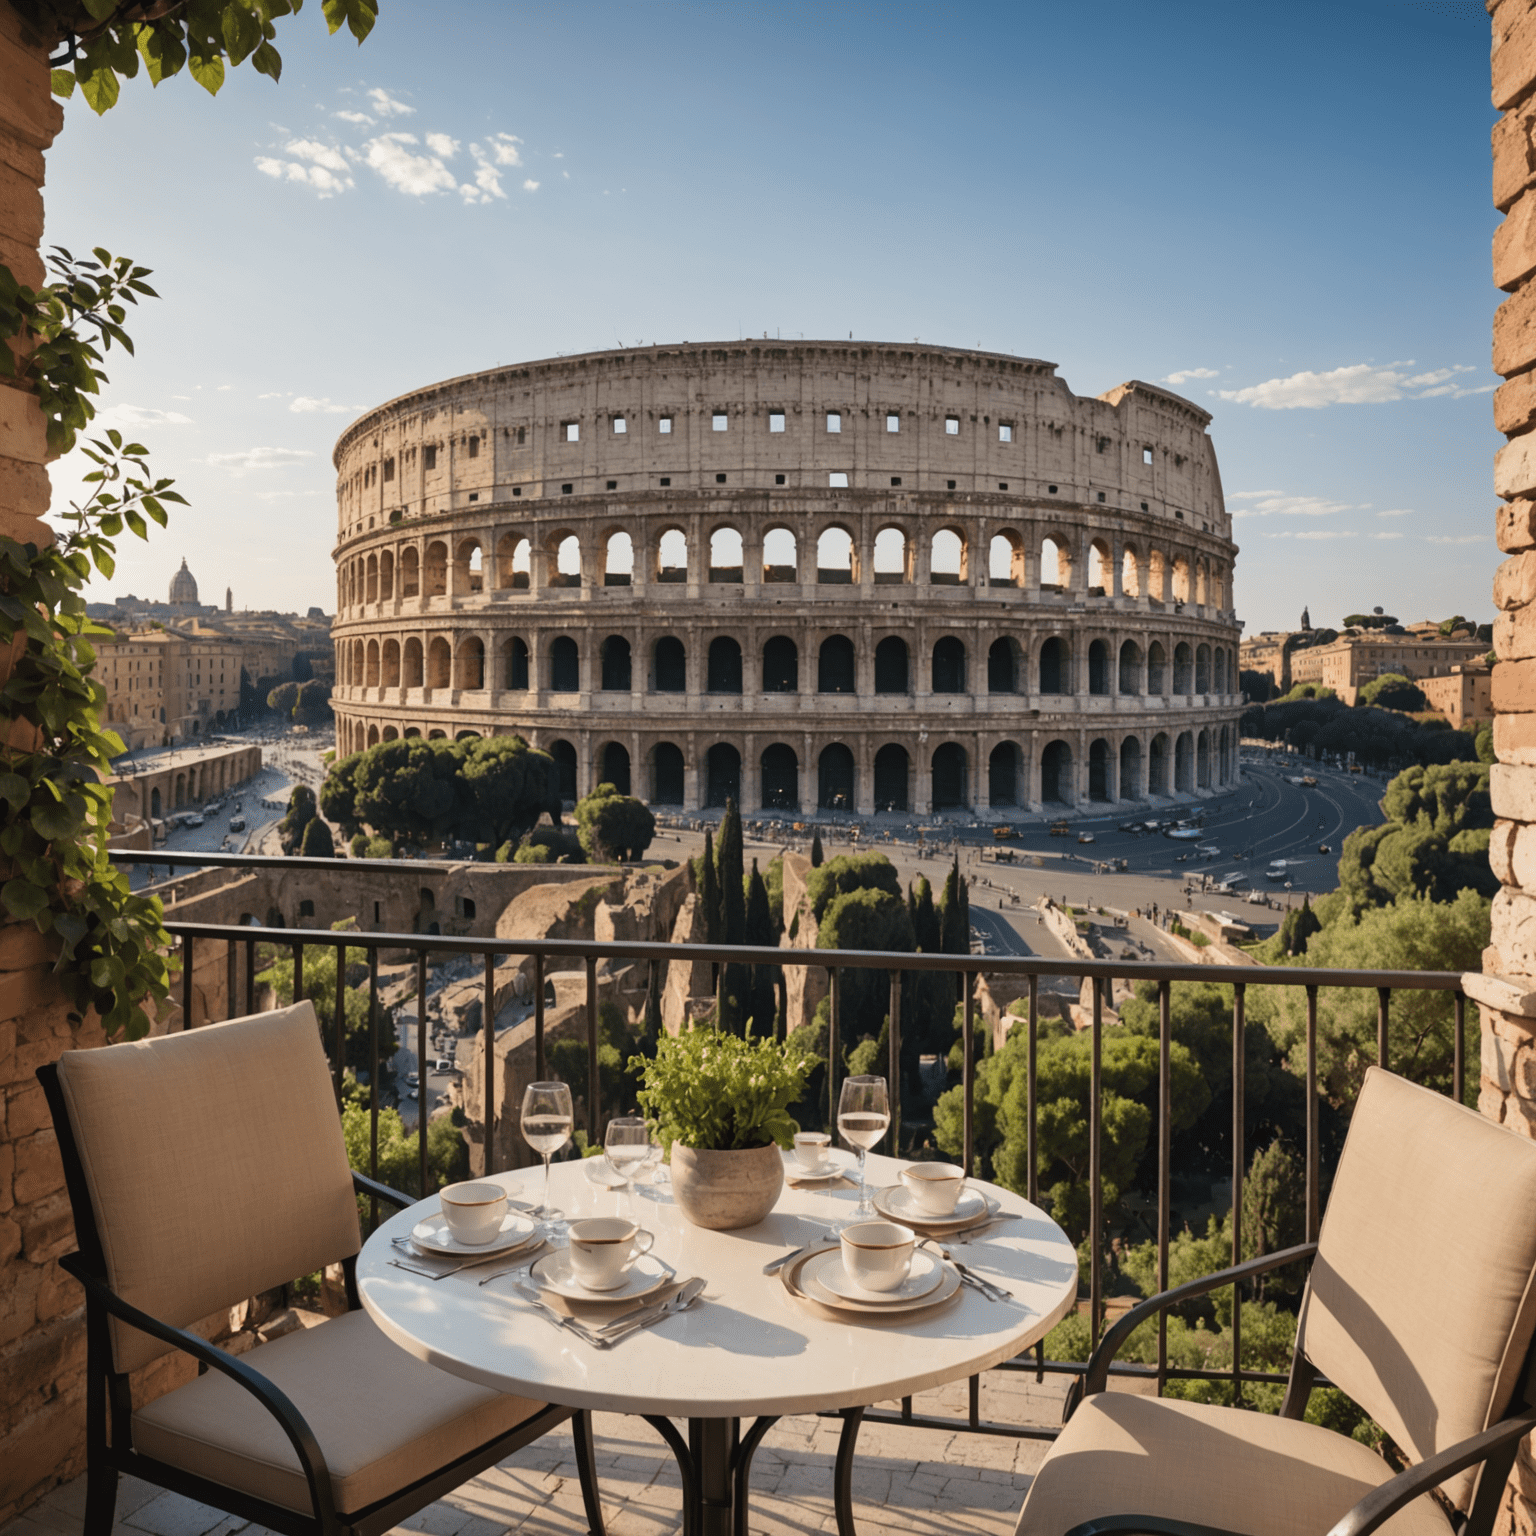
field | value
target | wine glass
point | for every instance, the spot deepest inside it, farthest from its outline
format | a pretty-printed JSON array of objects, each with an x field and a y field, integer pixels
[
  {"x": 627, "y": 1146},
  {"x": 863, "y": 1116},
  {"x": 546, "y": 1125}
]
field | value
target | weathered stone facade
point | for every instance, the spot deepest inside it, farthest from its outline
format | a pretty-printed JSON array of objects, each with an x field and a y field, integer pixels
[{"x": 858, "y": 576}]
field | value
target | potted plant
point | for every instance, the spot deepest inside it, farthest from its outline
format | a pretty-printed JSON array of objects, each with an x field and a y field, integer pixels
[{"x": 721, "y": 1106}]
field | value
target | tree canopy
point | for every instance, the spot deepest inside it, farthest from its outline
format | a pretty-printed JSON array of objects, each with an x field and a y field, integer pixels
[
  {"x": 614, "y": 826},
  {"x": 1381, "y": 737},
  {"x": 1391, "y": 690},
  {"x": 850, "y": 872}
]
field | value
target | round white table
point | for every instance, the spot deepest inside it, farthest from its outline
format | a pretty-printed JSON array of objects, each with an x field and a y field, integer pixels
[{"x": 747, "y": 1349}]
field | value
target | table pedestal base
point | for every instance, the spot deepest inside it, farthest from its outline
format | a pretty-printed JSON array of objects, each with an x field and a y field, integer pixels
[{"x": 716, "y": 1466}]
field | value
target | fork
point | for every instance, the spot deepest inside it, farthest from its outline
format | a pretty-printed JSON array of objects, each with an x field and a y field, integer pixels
[
  {"x": 404, "y": 1247},
  {"x": 968, "y": 1276}
]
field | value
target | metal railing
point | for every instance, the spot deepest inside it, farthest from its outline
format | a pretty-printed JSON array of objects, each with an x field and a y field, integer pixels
[{"x": 1101, "y": 973}]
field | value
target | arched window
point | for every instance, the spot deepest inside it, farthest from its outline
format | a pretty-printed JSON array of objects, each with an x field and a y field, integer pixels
[
  {"x": 781, "y": 778},
  {"x": 723, "y": 774},
  {"x": 567, "y": 563},
  {"x": 1056, "y": 787},
  {"x": 1055, "y": 566},
  {"x": 616, "y": 669},
  {"x": 471, "y": 668},
  {"x": 725, "y": 556},
  {"x": 1130, "y": 667},
  {"x": 672, "y": 556},
  {"x": 564, "y": 665},
  {"x": 949, "y": 665},
  {"x": 1157, "y": 765},
  {"x": 835, "y": 667},
  {"x": 1184, "y": 763},
  {"x": 891, "y": 557},
  {"x": 564, "y": 776},
  {"x": 781, "y": 665},
  {"x": 413, "y": 664},
  {"x": 1220, "y": 660},
  {"x": 1183, "y": 668},
  {"x": 946, "y": 559},
  {"x": 1203, "y": 760},
  {"x": 891, "y": 672},
  {"x": 1003, "y": 775},
  {"x": 951, "y": 788},
  {"x": 1130, "y": 573},
  {"x": 615, "y": 767},
  {"x": 891, "y": 779},
  {"x": 1003, "y": 667},
  {"x": 1005, "y": 560},
  {"x": 1100, "y": 579},
  {"x": 1055, "y": 667},
  {"x": 1203, "y": 669},
  {"x": 1157, "y": 674},
  {"x": 666, "y": 774},
  {"x": 1157, "y": 576},
  {"x": 469, "y": 573},
  {"x": 670, "y": 666},
  {"x": 386, "y": 576},
  {"x": 619, "y": 564},
  {"x": 834, "y": 775},
  {"x": 371, "y": 670},
  {"x": 1181, "y": 582},
  {"x": 1130, "y": 769},
  {"x": 437, "y": 569},
  {"x": 1099, "y": 785},
  {"x": 390, "y": 658},
  {"x": 1098, "y": 667},
  {"x": 780, "y": 556},
  {"x": 410, "y": 573},
  {"x": 516, "y": 654},
  {"x": 372, "y": 580},
  {"x": 439, "y": 664},
  {"x": 513, "y": 562},
  {"x": 724, "y": 665},
  {"x": 834, "y": 558}
]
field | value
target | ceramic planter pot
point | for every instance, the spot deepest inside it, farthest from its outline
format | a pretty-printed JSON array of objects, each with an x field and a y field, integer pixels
[{"x": 725, "y": 1190}]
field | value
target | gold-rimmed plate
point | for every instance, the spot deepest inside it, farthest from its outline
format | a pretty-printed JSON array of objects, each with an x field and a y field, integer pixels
[
  {"x": 895, "y": 1203},
  {"x": 805, "y": 1288}
]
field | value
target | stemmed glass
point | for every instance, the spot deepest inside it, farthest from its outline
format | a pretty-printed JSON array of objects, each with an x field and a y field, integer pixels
[
  {"x": 627, "y": 1147},
  {"x": 546, "y": 1125},
  {"x": 863, "y": 1116}
]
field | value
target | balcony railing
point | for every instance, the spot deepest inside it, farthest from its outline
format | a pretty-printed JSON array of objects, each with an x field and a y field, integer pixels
[{"x": 1101, "y": 973}]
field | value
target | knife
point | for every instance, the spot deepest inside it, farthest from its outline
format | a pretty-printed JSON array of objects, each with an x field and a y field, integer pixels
[
  {"x": 645, "y": 1314},
  {"x": 775, "y": 1265},
  {"x": 559, "y": 1319},
  {"x": 684, "y": 1299}
]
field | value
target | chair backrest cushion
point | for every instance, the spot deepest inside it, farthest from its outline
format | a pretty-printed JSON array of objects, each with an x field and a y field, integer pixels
[
  {"x": 215, "y": 1165},
  {"x": 1422, "y": 1298}
]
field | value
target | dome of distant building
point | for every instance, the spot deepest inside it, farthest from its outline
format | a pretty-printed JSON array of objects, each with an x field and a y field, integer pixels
[{"x": 183, "y": 585}]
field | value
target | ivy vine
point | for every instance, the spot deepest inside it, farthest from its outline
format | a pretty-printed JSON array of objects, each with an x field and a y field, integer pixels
[{"x": 55, "y": 808}]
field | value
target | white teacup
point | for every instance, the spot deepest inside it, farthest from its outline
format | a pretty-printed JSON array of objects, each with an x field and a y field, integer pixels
[
  {"x": 603, "y": 1248},
  {"x": 811, "y": 1148},
  {"x": 934, "y": 1187},
  {"x": 474, "y": 1211},
  {"x": 878, "y": 1254}
]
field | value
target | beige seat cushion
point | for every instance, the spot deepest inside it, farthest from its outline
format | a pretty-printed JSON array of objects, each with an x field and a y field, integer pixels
[
  {"x": 382, "y": 1417},
  {"x": 1250, "y": 1472}
]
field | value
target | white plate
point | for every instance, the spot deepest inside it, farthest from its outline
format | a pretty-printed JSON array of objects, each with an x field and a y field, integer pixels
[
  {"x": 926, "y": 1274},
  {"x": 791, "y": 1275},
  {"x": 796, "y": 1171},
  {"x": 897, "y": 1203},
  {"x": 432, "y": 1236},
  {"x": 646, "y": 1274}
]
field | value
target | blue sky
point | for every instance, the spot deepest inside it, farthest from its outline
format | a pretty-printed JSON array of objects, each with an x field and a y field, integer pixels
[{"x": 1283, "y": 211}]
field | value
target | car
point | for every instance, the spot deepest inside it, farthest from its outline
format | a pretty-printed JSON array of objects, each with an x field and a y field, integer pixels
[
  {"x": 1324, "y": 848},
  {"x": 411, "y": 1094},
  {"x": 1085, "y": 837},
  {"x": 1060, "y": 829},
  {"x": 237, "y": 823},
  {"x": 442, "y": 1064},
  {"x": 192, "y": 821},
  {"x": 413, "y": 1078},
  {"x": 1002, "y": 834}
]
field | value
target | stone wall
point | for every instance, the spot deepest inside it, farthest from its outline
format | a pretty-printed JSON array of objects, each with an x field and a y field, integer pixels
[{"x": 1506, "y": 991}]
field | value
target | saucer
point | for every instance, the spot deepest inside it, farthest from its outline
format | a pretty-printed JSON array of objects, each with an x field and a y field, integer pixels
[
  {"x": 897, "y": 1203},
  {"x": 796, "y": 1172},
  {"x": 432, "y": 1236},
  {"x": 599, "y": 1171},
  {"x": 926, "y": 1274},
  {"x": 645, "y": 1275}
]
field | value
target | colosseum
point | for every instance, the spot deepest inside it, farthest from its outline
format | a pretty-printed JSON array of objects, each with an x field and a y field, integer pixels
[{"x": 851, "y": 576}]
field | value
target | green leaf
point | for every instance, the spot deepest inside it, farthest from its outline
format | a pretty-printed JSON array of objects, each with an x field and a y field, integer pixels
[
  {"x": 267, "y": 61},
  {"x": 14, "y": 790},
  {"x": 208, "y": 71},
  {"x": 62, "y": 83},
  {"x": 22, "y": 898},
  {"x": 99, "y": 86}
]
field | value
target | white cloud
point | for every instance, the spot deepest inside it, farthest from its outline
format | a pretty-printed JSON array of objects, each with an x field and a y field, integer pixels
[
  {"x": 530, "y": 186},
  {"x": 1357, "y": 384},
  {"x": 1278, "y": 504},
  {"x": 1386, "y": 535},
  {"x": 389, "y": 106},
  {"x": 414, "y": 174},
  {"x": 1396, "y": 512},
  {"x": 353, "y": 117},
  {"x": 502, "y": 149},
  {"x": 1464, "y": 538},
  {"x": 249, "y": 460},
  {"x": 135, "y": 416},
  {"x": 275, "y": 394},
  {"x": 307, "y": 403},
  {"x": 442, "y": 144},
  {"x": 1328, "y": 533},
  {"x": 317, "y": 165},
  {"x": 1190, "y": 373}
]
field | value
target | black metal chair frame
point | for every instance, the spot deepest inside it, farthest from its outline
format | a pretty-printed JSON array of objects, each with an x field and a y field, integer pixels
[
  {"x": 109, "y": 1406},
  {"x": 1494, "y": 1448}
]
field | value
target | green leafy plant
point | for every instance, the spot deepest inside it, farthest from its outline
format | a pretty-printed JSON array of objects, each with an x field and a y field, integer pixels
[{"x": 716, "y": 1091}]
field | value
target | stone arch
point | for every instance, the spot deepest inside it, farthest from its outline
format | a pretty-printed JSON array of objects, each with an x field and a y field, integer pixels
[
  {"x": 1003, "y": 666},
  {"x": 1183, "y": 668},
  {"x": 515, "y": 664},
  {"x": 471, "y": 663},
  {"x": 669, "y": 666},
  {"x": 1055, "y": 563},
  {"x": 563, "y": 775},
  {"x": 1056, "y": 780},
  {"x": 564, "y": 665},
  {"x": 566, "y": 548},
  {"x": 1181, "y": 581},
  {"x": 410, "y": 572},
  {"x": 1157, "y": 668},
  {"x": 1129, "y": 680},
  {"x": 892, "y": 557},
  {"x": 949, "y": 665},
  {"x": 371, "y": 665},
  {"x": 722, "y": 774},
  {"x": 1098, "y": 666},
  {"x": 723, "y": 674},
  {"x": 1003, "y": 775},
  {"x": 892, "y": 778},
  {"x": 948, "y": 558},
  {"x": 615, "y": 766},
  {"x": 1006, "y": 561},
  {"x": 1130, "y": 571},
  {"x": 672, "y": 555},
  {"x": 389, "y": 664},
  {"x": 1157, "y": 575},
  {"x": 1219, "y": 670},
  {"x": 836, "y": 564},
  {"x": 1202, "y": 580},
  {"x": 781, "y": 555},
  {"x": 373, "y": 735},
  {"x": 389, "y": 733},
  {"x": 439, "y": 663},
  {"x": 1055, "y": 665},
  {"x": 614, "y": 659},
  {"x": 780, "y": 769},
  {"x": 514, "y": 563},
  {"x": 727, "y": 560},
  {"x": 892, "y": 672},
  {"x": 154, "y": 804},
  {"x": 1202, "y": 669},
  {"x": 667, "y": 774},
  {"x": 1224, "y": 760},
  {"x": 619, "y": 560},
  {"x": 413, "y": 671},
  {"x": 1159, "y": 781},
  {"x": 371, "y": 580},
  {"x": 951, "y": 777},
  {"x": 1130, "y": 768},
  {"x": 835, "y": 671},
  {"x": 1203, "y": 760},
  {"x": 435, "y": 574},
  {"x": 781, "y": 665},
  {"x": 1100, "y": 771},
  {"x": 386, "y": 576},
  {"x": 1101, "y": 569},
  {"x": 469, "y": 567},
  {"x": 835, "y": 774},
  {"x": 1184, "y": 763}
]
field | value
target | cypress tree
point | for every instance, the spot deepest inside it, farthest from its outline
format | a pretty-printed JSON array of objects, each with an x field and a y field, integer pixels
[
  {"x": 709, "y": 891},
  {"x": 653, "y": 1027},
  {"x": 732, "y": 881},
  {"x": 763, "y": 1004},
  {"x": 816, "y": 853},
  {"x": 925, "y": 920},
  {"x": 955, "y": 921}
]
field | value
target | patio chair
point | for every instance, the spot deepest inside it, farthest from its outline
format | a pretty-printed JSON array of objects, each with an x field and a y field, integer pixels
[
  {"x": 204, "y": 1168},
  {"x": 1420, "y": 1306}
]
